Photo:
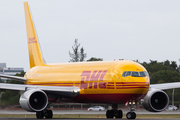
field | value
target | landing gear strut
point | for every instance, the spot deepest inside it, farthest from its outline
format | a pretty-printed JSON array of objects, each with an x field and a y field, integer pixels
[
  {"x": 114, "y": 112},
  {"x": 131, "y": 114}
]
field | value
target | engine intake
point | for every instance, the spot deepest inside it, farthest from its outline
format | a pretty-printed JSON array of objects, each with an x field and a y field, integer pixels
[
  {"x": 155, "y": 101},
  {"x": 34, "y": 100}
]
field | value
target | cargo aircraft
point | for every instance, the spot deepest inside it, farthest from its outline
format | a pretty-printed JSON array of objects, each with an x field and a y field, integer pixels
[{"x": 113, "y": 83}]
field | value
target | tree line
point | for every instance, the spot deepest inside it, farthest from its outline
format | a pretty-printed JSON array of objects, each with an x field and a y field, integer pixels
[
  {"x": 164, "y": 72},
  {"x": 9, "y": 97}
]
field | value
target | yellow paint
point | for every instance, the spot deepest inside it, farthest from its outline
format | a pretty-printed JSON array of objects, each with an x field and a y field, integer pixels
[
  {"x": 70, "y": 74},
  {"x": 59, "y": 74},
  {"x": 35, "y": 57}
]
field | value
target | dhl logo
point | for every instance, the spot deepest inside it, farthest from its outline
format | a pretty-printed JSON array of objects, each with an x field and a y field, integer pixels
[
  {"x": 89, "y": 80},
  {"x": 32, "y": 40}
]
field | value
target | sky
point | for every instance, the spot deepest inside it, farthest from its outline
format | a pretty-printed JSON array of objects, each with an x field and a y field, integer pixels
[{"x": 109, "y": 29}]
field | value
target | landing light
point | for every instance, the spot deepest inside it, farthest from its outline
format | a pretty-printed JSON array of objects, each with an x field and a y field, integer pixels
[
  {"x": 75, "y": 91},
  {"x": 132, "y": 103}
]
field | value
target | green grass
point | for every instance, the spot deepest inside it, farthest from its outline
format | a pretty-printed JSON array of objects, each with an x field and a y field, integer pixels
[{"x": 90, "y": 116}]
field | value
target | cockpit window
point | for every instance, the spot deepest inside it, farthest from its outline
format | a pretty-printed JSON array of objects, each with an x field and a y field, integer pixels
[
  {"x": 146, "y": 74},
  {"x": 128, "y": 73},
  {"x": 135, "y": 74},
  {"x": 142, "y": 74},
  {"x": 124, "y": 74}
]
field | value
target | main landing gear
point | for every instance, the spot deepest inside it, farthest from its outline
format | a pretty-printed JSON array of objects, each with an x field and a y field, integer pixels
[
  {"x": 45, "y": 113},
  {"x": 114, "y": 112},
  {"x": 48, "y": 114},
  {"x": 119, "y": 114}
]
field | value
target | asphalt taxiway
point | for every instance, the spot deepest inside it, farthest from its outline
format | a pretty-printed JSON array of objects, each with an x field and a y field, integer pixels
[
  {"x": 79, "y": 119},
  {"x": 71, "y": 112},
  {"x": 76, "y": 112}
]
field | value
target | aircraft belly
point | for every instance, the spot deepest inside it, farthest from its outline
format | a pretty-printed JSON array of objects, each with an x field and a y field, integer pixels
[
  {"x": 106, "y": 98},
  {"x": 110, "y": 96}
]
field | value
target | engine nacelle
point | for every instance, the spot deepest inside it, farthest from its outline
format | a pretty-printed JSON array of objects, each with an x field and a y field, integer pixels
[
  {"x": 155, "y": 101},
  {"x": 34, "y": 100}
]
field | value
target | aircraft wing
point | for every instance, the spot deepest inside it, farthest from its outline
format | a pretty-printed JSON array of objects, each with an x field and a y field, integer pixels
[
  {"x": 22, "y": 79},
  {"x": 62, "y": 91},
  {"x": 165, "y": 86}
]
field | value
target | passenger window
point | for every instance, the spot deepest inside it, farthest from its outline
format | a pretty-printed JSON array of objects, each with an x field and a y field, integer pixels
[{"x": 124, "y": 74}]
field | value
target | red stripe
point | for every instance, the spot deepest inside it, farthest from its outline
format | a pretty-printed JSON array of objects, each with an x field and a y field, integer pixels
[
  {"x": 135, "y": 82},
  {"x": 119, "y": 83},
  {"x": 110, "y": 82},
  {"x": 110, "y": 87},
  {"x": 49, "y": 83},
  {"x": 129, "y": 87},
  {"x": 64, "y": 83},
  {"x": 131, "y": 82},
  {"x": 54, "y": 85}
]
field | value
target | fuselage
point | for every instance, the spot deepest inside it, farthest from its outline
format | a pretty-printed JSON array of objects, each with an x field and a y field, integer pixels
[{"x": 99, "y": 82}]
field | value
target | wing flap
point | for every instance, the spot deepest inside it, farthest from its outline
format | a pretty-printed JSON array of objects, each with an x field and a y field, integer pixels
[
  {"x": 165, "y": 86},
  {"x": 61, "y": 91},
  {"x": 12, "y": 86},
  {"x": 22, "y": 79}
]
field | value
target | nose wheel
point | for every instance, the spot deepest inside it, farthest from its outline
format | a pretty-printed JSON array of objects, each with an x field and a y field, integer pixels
[{"x": 131, "y": 115}]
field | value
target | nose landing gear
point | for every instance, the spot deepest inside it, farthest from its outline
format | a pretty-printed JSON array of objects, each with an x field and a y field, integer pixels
[{"x": 131, "y": 114}]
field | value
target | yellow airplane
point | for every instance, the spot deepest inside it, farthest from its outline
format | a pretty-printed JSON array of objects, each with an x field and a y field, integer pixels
[{"x": 113, "y": 83}]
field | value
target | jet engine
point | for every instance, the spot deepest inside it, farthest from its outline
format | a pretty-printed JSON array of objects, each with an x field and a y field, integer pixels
[
  {"x": 33, "y": 100},
  {"x": 155, "y": 100}
]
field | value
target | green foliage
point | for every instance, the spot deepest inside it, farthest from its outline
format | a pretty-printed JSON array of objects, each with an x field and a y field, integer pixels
[
  {"x": 164, "y": 72},
  {"x": 164, "y": 76},
  {"x": 95, "y": 59},
  {"x": 1, "y": 81},
  {"x": 11, "y": 97},
  {"x": 77, "y": 56},
  {"x": 82, "y": 55},
  {"x": 14, "y": 81},
  {"x": 21, "y": 74}
]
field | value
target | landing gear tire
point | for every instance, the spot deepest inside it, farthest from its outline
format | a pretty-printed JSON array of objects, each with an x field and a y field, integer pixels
[
  {"x": 131, "y": 115},
  {"x": 40, "y": 115},
  {"x": 45, "y": 113},
  {"x": 109, "y": 114},
  {"x": 49, "y": 114},
  {"x": 119, "y": 114}
]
